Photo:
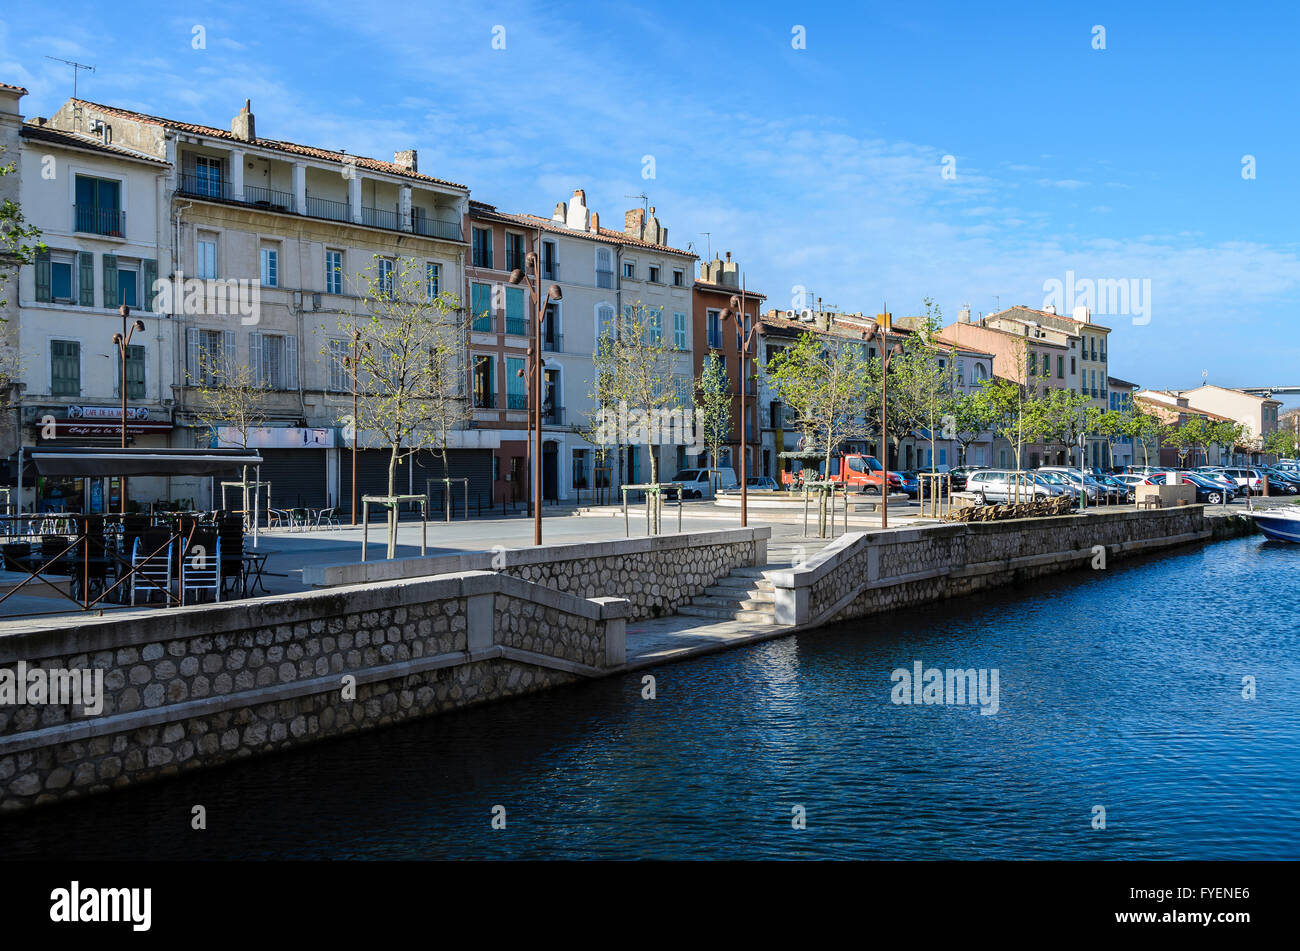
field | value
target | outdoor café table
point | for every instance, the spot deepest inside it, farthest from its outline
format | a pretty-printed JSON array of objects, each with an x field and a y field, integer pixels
[{"x": 254, "y": 565}]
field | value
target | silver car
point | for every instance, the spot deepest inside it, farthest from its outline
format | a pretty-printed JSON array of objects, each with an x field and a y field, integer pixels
[{"x": 1003, "y": 485}]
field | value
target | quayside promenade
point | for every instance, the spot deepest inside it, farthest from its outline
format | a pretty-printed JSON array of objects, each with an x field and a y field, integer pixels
[{"x": 385, "y": 642}]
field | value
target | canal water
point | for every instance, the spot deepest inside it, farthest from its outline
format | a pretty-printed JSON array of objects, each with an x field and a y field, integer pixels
[{"x": 1120, "y": 689}]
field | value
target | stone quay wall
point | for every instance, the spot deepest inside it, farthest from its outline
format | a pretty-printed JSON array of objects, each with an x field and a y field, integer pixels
[
  {"x": 866, "y": 573},
  {"x": 194, "y": 687},
  {"x": 657, "y": 574}
]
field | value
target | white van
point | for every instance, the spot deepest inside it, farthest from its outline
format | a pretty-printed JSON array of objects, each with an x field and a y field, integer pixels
[{"x": 701, "y": 483}]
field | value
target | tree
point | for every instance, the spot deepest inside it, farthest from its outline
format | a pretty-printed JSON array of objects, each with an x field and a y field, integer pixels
[
  {"x": 921, "y": 380},
  {"x": 1107, "y": 423},
  {"x": 635, "y": 367},
  {"x": 412, "y": 360},
  {"x": 1006, "y": 404},
  {"x": 967, "y": 416},
  {"x": 824, "y": 381},
  {"x": 1177, "y": 437},
  {"x": 713, "y": 405},
  {"x": 229, "y": 396},
  {"x": 1227, "y": 434},
  {"x": 1281, "y": 443},
  {"x": 1146, "y": 428}
]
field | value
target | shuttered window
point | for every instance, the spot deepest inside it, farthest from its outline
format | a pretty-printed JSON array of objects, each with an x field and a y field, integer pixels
[
  {"x": 481, "y": 302},
  {"x": 207, "y": 354},
  {"x": 516, "y": 384},
  {"x": 135, "y": 370},
  {"x": 274, "y": 357},
  {"x": 65, "y": 368}
]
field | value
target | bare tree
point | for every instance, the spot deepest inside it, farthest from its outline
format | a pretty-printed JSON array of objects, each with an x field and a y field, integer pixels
[{"x": 230, "y": 396}]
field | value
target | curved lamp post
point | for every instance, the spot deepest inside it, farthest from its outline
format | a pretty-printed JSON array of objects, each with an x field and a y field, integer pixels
[
  {"x": 532, "y": 279},
  {"x": 122, "y": 341},
  {"x": 736, "y": 311},
  {"x": 353, "y": 363}
]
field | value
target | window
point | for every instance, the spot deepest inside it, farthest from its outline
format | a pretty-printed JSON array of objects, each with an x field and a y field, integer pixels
[
  {"x": 713, "y": 322},
  {"x": 205, "y": 263},
  {"x": 270, "y": 266},
  {"x": 98, "y": 207},
  {"x": 207, "y": 176},
  {"x": 604, "y": 267},
  {"x": 333, "y": 272},
  {"x": 65, "y": 368},
  {"x": 128, "y": 284},
  {"x": 340, "y": 375},
  {"x": 514, "y": 251},
  {"x": 679, "y": 331},
  {"x": 1073, "y": 367},
  {"x": 580, "y": 468},
  {"x": 1033, "y": 365},
  {"x": 551, "y": 338},
  {"x": 515, "y": 323},
  {"x": 61, "y": 277},
  {"x": 384, "y": 271},
  {"x": 481, "y": 305},
  {"x": 550, "y": 262},
  {"x": 1047, "y": 364},
  {"x": 135, "y": 363},
  {"x": 274, "y": 358},
  {"x": 629, "y": 269},
  {"x": 482, "y": 247},
  {"x": 654, "y": 274},
  {"x": 1060, "y": 368},
  {"x": 207, "y": 352},
  {"x": 679, "y": 277},
  {"x": 516, "y": 384},
  {"x": 485, "y": 396},
  {"x": 432, "y": 278},
  {"x": 605, "y": 321},
  {"x": 657, "y": 325}
]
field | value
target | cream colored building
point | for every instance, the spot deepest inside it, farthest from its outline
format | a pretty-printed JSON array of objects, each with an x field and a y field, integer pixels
[{"x": 1259, "y": 414}]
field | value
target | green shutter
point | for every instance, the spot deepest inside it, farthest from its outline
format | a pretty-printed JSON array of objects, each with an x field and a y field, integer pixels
[
  {"x": 86, "y": 278},
  {"x": 43, "y": 276},
  {"x": 149, "y": 273},
  {"x": 111, "y": 294}
]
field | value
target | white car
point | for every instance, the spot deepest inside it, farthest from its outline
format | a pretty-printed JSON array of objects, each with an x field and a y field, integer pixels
[{"x": 701, "y": 483}]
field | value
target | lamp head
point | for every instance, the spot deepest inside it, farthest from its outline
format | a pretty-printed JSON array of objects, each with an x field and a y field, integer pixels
[
  {"x": 554, "y": 292},
  {"x": 516, "y": 276},
  {"x": 117, "y": 340},
  {"x": 124, "y": 310},
  {"x": 139, "y": 325}
]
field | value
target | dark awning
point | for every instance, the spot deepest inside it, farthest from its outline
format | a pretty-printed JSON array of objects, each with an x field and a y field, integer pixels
[{"x": 97, "y": 461}]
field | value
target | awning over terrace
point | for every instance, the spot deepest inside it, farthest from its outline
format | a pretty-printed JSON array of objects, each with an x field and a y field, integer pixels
[{"x": 97, "y": 461}]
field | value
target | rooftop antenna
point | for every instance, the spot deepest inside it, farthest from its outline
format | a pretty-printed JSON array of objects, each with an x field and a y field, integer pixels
[
  {"x": 645, "y": 201},
  {"x": 75, "y": 68},
  {"x": 997, "y": 302},
  {"x": 709, "y": 240}
]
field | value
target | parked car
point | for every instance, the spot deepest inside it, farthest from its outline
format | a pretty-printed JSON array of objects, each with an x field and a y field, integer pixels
[
  {"x": 1003, "y": 485},
  {"x": 907, "y": 482},
  {"x": 762, "y": 482},
  {"x": 961, "y": 474},
  {"x": 1061, "y": 483},
  {"x": 1089, "y": 484},
  {"x": 701, "y": 483},
  {"x": 1208, "y": 490},
  {"x": 1249, "y": 480},
  {"x": 1282, "y": 481}
]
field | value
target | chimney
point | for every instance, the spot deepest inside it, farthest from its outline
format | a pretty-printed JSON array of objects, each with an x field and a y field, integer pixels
[
  {"x": 963, "y": 315},
  {"x": 634, "y": 223},
  {"x": 407, "y": 159},
  {"x": 595, "y": 222},
  {"x": 561, "y": 212},
  {"x": 242, "y": 125},
  {"x": 1083, "y": 314}
]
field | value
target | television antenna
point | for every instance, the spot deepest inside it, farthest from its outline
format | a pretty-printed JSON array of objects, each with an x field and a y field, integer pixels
[
  {"x": 645, "y": 201},
  {"x": 708, "y": 238},
  {"x": 75, "y": 68}
]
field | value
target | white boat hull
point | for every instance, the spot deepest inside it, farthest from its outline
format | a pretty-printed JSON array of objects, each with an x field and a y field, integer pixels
[{"x": 1283, "y": 528}]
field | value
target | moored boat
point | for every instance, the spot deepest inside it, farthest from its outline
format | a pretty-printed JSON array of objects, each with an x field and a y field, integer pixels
[{"x": 1279, "y": 524}]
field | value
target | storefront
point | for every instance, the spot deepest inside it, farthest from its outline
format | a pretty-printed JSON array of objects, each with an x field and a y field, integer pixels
[{"x": 295, "y": 464}]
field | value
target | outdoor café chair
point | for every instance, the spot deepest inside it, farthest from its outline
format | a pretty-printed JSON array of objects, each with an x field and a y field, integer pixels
[
  {"x": 201, "y": 567},
  {"x": 152, "y": 572},
  {"x": 328, "y": 516}
]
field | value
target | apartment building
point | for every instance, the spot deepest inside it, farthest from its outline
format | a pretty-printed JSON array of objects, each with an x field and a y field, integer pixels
[
  {"x": 718, "y": 281},
  {"x": 100, "y": 207},
  {"x": 299, "y": 228},
  {"x": 601, "y": 273},
  {"x": 1259, "y": 414},
  {"x": 1121, "y": 401},
  {"x": 1173, "y": 409}
]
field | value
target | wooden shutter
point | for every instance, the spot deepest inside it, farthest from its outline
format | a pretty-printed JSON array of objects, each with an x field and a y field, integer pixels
[
  {"x": 112, "y": 298},
  {"x": 291, "y": 362},
  {"x": 86, "y": 278},
  {"x": 192, "y": 356},
  {"x": 148, "y": 275},
  {"x": 255, "y": 358},
  {"x": 229, "y": 355},
  {"x": 43, "y": 276}
]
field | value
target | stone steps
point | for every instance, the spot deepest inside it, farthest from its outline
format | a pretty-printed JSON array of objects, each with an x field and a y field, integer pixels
[
  {"x": 753, "y": 594},
  {"x": 727, "y": 614},
  {"x": 736, "y": 604},
  {"x": 743, "y": 595}
]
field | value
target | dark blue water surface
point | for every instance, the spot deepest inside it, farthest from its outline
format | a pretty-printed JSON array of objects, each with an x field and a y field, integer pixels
[{"x": 1120, "y": 688}]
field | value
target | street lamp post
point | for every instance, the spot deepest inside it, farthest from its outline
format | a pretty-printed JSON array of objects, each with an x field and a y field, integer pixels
[
  {"x": 123, "y": 341},
  {"x": 531, "y": 278},
  {"x": 736, "y": 311},
  {"x": 881, "y": 331},
  {"x": 353, "y": 363}
]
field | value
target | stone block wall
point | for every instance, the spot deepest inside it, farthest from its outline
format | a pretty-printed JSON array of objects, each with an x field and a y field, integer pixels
[{"x": 269, "y": 674}]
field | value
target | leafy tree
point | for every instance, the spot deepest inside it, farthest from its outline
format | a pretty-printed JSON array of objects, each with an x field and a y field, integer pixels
[
  {"x": 412, "y": 360},
  {"x": 1144, "y": 427},
  {"x": 1281, "y": 443},
  {"x": 966, "y": 417},
  {"x": 1109, "y": 424},
  {"x": 1058, "y": 418},
  {"x": 1007, "y": 405},
  {"x": 713, "y": 405},
  {"x": 1227, "y": 434},
  {"x": 921, "y": 380}
]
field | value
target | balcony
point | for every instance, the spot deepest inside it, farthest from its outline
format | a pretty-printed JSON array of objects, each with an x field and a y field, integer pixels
[
  {"x": 552, "y": 415},
  {"x": 433, "y": 228},
  {"x": 328, "y": 209},
  {"x": 269, "y": 198},
  {"x": 516, "y": 401},
  {"x": 517, "y": 326},
  {"x": 483, "y": 324},
  {"x": 378, "y": 218},
  {"x": 515, "y": 260},
  {"x": 90, "y": 219},
  {"x": 554, "y": 343},
  {"x": 203, "y": 186},
  {"x": 485, "y": 401}
]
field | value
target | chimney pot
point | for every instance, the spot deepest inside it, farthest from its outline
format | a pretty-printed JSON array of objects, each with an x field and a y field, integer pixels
[{"x": 242, "y": 126}]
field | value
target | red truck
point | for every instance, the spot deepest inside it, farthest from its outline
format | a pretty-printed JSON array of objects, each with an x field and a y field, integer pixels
[{"x": 861, "y": 473}]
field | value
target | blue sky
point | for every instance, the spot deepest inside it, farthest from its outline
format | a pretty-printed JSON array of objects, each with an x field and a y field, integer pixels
[{"x": 818, "y": 167}]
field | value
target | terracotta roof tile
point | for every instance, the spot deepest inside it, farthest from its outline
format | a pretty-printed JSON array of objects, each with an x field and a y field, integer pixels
[
  {"x": 88, "y": 143},
  {"x": 14, "y": 88},
  {"x": 374, "y": 165},
  {"x": 485, "y": 212}
]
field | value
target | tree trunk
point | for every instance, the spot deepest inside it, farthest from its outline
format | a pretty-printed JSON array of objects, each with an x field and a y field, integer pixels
[{"x": 392, "y": 506}]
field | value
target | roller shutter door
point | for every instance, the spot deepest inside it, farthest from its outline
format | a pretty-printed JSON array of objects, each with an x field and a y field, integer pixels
[{"x": 297, "y": 476}]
